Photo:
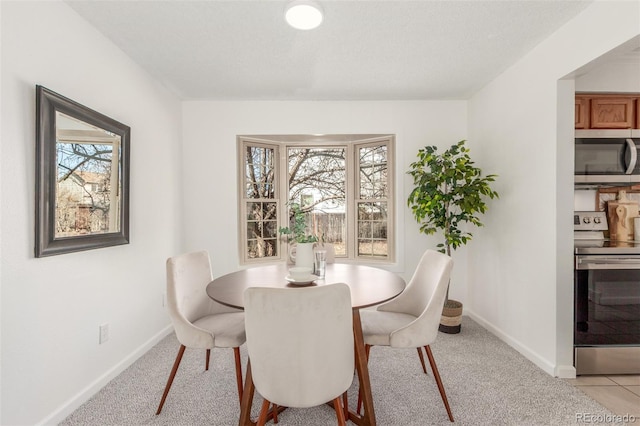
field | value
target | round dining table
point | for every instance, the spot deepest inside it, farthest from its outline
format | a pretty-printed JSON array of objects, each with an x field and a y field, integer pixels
[{"x": 369, "y": 286}]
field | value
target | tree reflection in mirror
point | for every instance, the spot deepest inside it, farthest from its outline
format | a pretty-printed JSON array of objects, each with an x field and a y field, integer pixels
[{"x": 88, "y": 184}]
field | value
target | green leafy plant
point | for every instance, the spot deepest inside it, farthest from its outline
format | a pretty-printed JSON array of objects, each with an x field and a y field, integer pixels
[
  {"x": 298, "y": 231},
  {"x": 449, "y": 191}
]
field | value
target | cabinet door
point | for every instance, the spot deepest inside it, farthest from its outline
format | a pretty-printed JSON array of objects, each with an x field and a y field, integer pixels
[
  {"x": 612, "y": 112},
  {"x": 582, "y": 112}
]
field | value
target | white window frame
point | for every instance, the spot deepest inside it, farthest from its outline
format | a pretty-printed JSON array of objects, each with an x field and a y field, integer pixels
[
  {"x": 389, "y": 200},
  {"x": 281, "y": 144},
  {"x": 243, "y": 200}
]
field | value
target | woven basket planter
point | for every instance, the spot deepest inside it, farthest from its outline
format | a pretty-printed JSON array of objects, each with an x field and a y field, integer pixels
[{"x": 451, "y": 319}]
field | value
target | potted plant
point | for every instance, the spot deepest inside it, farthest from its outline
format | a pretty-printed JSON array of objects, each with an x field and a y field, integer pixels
[
  {"x": 302, "y": 251},
  {"x": 449, "y": 192}
]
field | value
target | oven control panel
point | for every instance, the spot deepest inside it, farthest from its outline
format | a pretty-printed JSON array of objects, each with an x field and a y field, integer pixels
[{"x": 590, "y": 221}]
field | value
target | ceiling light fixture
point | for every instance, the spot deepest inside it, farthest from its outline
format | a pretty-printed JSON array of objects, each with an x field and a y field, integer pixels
[{"x": 303, "y": 14}]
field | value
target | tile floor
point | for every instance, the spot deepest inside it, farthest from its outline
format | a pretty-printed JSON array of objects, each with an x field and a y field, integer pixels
[{"x": 620, "y": 394}]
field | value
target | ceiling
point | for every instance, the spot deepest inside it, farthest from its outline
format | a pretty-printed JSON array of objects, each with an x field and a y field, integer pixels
[{"x": 364, "y": 50}]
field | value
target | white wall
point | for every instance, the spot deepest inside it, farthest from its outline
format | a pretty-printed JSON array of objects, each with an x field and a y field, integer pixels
[
  {"x": 52, "y": 307},
  {"x": 521, "y": 262},
  {"x": 209, "y": 162},
  {"x": 622, "y": 75}
]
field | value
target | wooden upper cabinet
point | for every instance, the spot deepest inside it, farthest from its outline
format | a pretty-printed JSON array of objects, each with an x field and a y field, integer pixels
[
  {"x": 616, "y": 112},
  {"x": 582, "y": 112},
  {"x": 607, "y": 111}
]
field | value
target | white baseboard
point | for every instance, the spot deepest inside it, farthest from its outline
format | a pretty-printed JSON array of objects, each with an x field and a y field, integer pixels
[
  {"x": 566, "y": 371},
  {"x": 531, "y": 355},
  {"x": 84, "y": 395}
]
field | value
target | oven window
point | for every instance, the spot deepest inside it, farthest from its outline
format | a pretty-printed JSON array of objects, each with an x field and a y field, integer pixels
[{"x": 607, "y": 310}]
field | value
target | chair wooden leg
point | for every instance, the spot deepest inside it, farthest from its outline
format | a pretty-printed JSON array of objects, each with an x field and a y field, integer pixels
[
  {"x": 206, "y": 363},
  {"x": 345, "y": 402},
  {"x": 262, "y": 418},
  {"x": 367, "y": 349},
  {"x": 176, "y": 364},
  {"x": 247, "y": 398},
  {"x": 424, "y": 367},
  {"x": 436, "y": 375},
  {"x": 236, "y": 353},
  {"x": 339, "y": 412}
]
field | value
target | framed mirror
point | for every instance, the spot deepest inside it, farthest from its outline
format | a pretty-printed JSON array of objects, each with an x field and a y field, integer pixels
[{"x": 82, "y": 177}]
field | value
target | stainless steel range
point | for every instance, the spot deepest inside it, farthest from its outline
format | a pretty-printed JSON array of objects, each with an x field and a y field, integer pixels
[{"x": 607, "y": 299}]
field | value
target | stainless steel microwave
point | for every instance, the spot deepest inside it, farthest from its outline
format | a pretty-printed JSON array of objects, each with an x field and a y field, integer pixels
[{"x": 607, "y": 156}]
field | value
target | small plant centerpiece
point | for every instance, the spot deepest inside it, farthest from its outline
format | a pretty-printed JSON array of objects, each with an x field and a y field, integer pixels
[
  {"x": 448, "y": 192},
  {"x": 298, "y": 231},
  {"x": 302, "y": 251}
]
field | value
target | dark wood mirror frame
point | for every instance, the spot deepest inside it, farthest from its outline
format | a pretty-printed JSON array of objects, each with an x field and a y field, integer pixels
[{"x": 48, "y": 105}]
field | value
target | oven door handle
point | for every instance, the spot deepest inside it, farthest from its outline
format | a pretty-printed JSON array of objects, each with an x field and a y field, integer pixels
[{"x": 583, "y": 263}]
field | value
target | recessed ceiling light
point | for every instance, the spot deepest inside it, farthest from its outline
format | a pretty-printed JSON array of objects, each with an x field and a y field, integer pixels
[{"x": 303, "y": 14}]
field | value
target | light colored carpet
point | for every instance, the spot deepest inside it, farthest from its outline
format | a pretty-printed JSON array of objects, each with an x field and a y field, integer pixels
[{"x": 487, "y": 382}]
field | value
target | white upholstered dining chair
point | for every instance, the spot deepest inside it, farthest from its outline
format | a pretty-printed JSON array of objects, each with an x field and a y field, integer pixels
[
  {"x": 411, "y": 319},
  {"x": 300, "y": 345},
  {"x": 199, "y": 322}
]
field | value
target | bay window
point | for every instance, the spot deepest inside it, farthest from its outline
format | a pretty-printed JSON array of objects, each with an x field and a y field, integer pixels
[{"x": 342, "y": 183}]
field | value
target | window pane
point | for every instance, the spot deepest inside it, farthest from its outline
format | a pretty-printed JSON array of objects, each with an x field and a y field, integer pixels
[
  {"x": 364, "y": 211},
  {"x": 261, "y": 248},
  {"x": 379, "y": 211},
  {"x": 260, "y": 172},
  {"x": 364, "y": 230},
  {"x": 262, "y": 229},
  {"x": 317, "y": 183},
  {"x": 271, "y": 229},
  {"x": 372, "y": 248},
  {"x": 257, "y": 230},
  {"x": 373, "y": 172},
  {"x": 379, "y": 230},
  {"x": 254, "y": 211},
  {"x": 340, "y": 248},
  {"x": 261, "y": 211},
  {"x": 372, "y": 229}
]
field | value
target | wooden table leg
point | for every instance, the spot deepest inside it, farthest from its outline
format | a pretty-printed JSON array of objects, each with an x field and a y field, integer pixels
[
  {"x": 247, "y": 398},
  {"x": 247, "y": 402},
  {"x": 369, "y": 416}
]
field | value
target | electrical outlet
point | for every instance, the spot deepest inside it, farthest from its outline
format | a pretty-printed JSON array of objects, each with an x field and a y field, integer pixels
[{"x": 104, "y": 333}]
